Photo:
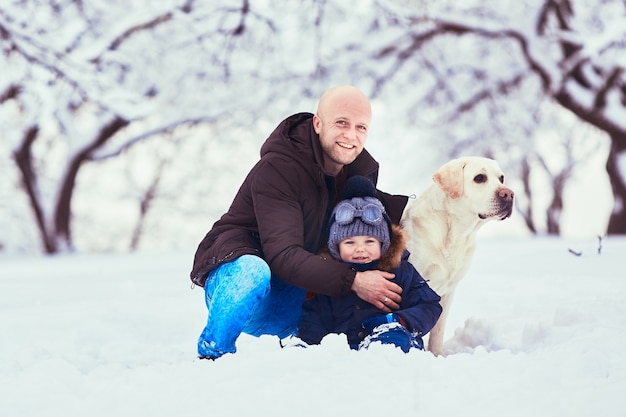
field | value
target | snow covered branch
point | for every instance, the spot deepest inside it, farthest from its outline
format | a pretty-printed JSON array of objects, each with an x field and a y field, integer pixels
[{"x": 159, "y": 130}]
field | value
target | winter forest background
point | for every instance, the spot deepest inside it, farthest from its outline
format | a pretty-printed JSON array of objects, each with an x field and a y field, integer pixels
[{"x": 130, "y": 124}]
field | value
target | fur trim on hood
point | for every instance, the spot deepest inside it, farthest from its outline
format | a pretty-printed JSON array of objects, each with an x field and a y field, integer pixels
[{"x": 393, "y": 257}]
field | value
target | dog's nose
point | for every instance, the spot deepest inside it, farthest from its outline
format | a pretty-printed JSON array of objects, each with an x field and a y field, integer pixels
[{"x": 506, "y": 194}]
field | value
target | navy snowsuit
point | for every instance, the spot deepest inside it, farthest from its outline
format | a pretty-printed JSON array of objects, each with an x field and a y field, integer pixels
[{"x": 419, "y": 309}]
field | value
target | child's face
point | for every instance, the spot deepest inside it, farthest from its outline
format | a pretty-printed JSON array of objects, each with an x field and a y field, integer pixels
[{"x": 360, "y": 249}]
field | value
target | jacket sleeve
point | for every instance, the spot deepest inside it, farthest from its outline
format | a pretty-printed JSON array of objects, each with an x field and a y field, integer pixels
[
  {"x": 420, "y": 306},
  {"x": 280, "y": 213}
]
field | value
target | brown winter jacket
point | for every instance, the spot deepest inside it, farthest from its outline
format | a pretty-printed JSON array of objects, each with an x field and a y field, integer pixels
[{"x": 281, "y": 211}]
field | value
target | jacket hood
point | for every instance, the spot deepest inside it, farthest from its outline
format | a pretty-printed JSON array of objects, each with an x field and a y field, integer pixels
[{"x": 295, "y": 136}]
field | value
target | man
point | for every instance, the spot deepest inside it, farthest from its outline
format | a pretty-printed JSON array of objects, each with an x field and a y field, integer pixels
[{"x": 260, "y": 258}]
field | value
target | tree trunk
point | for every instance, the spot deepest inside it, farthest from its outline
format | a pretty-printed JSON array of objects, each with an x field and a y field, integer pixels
[
  {"x": 527, "y": 213},
  {"x": 555, "y": 209},
  {"x": 63, "y": 209},
  {"x": 24, "y": 159},
  {"x": 617, "y": 176},
  {"x": 144, "y": 206}
]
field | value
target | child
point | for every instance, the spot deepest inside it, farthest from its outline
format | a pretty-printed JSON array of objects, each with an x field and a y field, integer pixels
[{"x": 362, "y": 234}]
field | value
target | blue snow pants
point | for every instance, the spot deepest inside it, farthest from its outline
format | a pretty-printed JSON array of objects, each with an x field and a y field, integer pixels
[{"x": 242, "y": 296}]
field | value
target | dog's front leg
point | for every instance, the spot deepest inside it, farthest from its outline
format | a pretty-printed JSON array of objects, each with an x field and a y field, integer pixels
[{"x": 435, "y": 337}]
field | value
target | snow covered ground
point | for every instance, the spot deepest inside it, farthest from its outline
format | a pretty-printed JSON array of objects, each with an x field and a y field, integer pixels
[{"x": 534, "y": 331}]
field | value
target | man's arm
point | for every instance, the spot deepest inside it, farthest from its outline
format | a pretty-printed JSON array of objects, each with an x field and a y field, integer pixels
[{"x": 285, "y": 232}]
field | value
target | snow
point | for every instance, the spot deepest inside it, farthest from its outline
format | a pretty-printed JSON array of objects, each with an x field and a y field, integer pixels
[{"x": 534, "y": 330}]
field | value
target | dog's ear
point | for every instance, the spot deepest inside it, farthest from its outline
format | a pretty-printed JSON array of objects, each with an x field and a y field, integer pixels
[{"x": 450, "y": 178}]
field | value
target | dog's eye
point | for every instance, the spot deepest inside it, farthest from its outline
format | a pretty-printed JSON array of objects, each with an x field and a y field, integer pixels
[
  {"x": 502, "y": 179},
  {"x": 480, "y": 178}
]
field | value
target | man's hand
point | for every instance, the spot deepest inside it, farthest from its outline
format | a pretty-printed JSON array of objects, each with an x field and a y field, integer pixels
[{"x": 375, "y": 288}]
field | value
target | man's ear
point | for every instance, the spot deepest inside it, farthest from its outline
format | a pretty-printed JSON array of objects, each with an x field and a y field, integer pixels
[
  {"x": 317, "y": 123},
  {"x": 450, "y": 178}
]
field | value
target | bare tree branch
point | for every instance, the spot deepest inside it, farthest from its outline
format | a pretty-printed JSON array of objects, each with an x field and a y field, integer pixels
[
  {"x": 612, "y": 81},
  {"x": 138, "y": 28},
  {"x": 44, "y": 58},
  {"x": 11, "y": 92},
  {"x": 93, "y": 156}
]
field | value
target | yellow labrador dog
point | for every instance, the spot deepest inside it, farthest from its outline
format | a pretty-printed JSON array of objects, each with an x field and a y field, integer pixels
[{"x": 442, "y": 222}]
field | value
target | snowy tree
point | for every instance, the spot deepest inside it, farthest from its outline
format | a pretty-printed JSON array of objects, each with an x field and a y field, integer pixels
[
  {"x": 85, "y": 81},
  {"x": 467, "y": 55}
]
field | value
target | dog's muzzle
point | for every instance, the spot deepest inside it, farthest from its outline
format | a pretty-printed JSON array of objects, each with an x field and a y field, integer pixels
[
  {"x": 505, "y": 198},
  {"x": 503, "y": 205}
]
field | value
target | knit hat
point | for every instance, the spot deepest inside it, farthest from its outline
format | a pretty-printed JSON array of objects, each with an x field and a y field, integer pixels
[{"x": 359, "y": 214}]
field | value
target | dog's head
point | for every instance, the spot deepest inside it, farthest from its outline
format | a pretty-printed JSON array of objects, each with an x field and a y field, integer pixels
[{"x": 479, "y": 183}]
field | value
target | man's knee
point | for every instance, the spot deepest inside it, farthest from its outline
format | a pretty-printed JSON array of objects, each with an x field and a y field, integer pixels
[
  {"x": 254, "y": 275},
  {"x": 247, "y": 277},
  {"x": 255, "y": 268}
]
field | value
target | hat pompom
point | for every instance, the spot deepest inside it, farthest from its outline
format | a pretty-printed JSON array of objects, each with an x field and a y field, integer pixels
[{"x": 359, "y": 186}]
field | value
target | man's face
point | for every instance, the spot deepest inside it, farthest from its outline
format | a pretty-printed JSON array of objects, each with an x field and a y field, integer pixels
[{"x": 342, "y": 125}]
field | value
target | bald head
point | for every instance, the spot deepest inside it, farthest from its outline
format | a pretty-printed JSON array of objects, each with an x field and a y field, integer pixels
[{"x": 344, "y": 96}]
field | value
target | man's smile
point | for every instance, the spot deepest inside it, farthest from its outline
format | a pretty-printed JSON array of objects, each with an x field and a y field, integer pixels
[{"x": 345, "y": 145}]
